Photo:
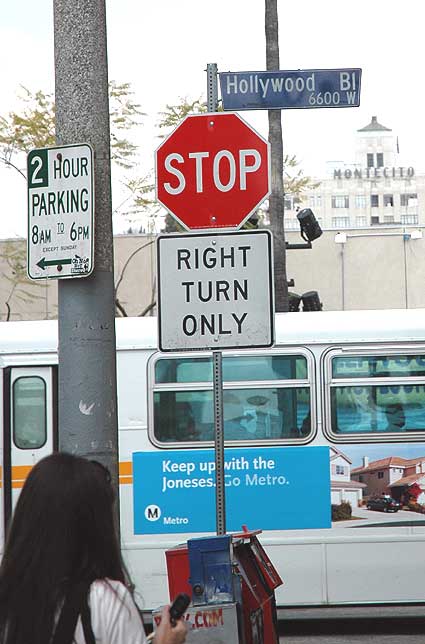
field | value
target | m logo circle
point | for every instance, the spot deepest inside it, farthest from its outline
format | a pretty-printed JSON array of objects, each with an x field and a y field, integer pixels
[{"x": 152, "y": 512}]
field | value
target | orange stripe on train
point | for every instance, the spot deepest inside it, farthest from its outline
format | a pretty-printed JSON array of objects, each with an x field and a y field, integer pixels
[{"x": 20, "y": 473}]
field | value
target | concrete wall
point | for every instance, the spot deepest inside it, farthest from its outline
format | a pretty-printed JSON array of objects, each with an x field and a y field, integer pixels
[{"x": 375, "y": 268}]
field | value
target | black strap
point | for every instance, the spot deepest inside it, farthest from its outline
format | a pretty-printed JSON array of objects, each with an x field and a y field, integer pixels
[
  {"x": 75, "y": 605},
  {"x": 86, "y": 623}
]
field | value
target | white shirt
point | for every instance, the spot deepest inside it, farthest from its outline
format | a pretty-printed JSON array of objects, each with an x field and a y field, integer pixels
[{"x": 114, "y": 616}]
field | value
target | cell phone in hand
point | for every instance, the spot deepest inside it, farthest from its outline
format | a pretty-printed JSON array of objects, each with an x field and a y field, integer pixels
[{"x": 178, "y": 607}]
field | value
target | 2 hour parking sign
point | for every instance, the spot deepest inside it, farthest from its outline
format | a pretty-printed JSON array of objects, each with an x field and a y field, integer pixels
[{"x": 60, "y": 212}]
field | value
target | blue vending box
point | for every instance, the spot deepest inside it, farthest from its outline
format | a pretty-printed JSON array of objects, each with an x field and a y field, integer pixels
[{"x": 211, "y": 571}]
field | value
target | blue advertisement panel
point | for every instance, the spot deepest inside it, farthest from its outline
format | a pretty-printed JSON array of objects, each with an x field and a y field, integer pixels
[
  {"x": 273, "y": 489},
  {"x": 297, "y": 89}
]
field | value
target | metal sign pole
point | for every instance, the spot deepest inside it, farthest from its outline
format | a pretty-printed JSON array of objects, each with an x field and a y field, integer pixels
[{"x": 220, "y": 501}]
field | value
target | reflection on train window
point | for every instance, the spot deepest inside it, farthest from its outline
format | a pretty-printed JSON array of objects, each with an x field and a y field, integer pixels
[
  {"x": 29, "y": 412},
  {"x": 248, "y": 414},
  {"x": 235, "y": 368},
  {"x": 378, "y": 366},
  {"x": 378, "y": 408}
]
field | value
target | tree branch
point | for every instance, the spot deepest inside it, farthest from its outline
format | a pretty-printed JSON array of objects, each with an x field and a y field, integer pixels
[
  {"x": 120, "y": 308},
  {"x": 148, "y": 308},
  {"x": 12, "y": 165},
  {"x": 124, "y": 268}
]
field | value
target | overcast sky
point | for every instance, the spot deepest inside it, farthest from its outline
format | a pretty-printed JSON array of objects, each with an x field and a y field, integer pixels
[{"x": 162, "y": 48}]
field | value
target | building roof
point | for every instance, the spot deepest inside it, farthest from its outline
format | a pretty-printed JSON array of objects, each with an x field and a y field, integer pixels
[
  {"x": 343, "y": 485},
  {"x": 374, "y": 126},
  {"x": 408, "y": 480},
  {"x": 390, "y": 461},
  {"x": 337, "y": 453}
]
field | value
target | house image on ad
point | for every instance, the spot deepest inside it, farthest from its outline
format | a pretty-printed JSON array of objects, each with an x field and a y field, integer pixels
[
  {"x": 396, "y": 476},
  {"x": 342, "y": 487}
]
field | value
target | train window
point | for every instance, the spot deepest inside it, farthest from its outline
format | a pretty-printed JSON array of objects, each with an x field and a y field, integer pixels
[
  {"x": 371, "y": 409},
  {"x": 274, "y": 406},
  {"x": 235, "y": 368},
  {"x": 364, "y": 406},
  {"x": 378, "y": 366},
  {"x": 184, "y": 370},
  {"x": 29, "y": 412}
]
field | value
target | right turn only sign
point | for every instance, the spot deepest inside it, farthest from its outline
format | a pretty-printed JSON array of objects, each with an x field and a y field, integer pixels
[{"x": 215, "y": 291}]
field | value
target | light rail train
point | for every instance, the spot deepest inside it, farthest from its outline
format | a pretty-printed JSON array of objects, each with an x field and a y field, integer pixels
[{"x": 333, "y": 414}]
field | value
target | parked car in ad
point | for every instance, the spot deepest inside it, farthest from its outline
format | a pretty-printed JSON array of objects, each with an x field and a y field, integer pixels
[{"x": 383, "y": 503}]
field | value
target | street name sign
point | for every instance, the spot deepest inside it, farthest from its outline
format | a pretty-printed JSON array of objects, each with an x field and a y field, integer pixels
[
  {"x": 215, "y": 290},
  {"x": 213, "y": 171},
  {"x": 295, "y": 89},
  {"x": 60, "y": 212}
]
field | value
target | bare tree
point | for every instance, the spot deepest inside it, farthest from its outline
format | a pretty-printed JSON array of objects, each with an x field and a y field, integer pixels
[{"x": 19, "y": 286}]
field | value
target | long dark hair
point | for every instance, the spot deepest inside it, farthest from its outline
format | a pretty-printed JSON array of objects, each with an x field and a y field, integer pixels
[{"x": 62, "y": 533}]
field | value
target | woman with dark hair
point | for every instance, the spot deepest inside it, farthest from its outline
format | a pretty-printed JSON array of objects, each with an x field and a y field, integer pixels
[{"x": 62, "y": 579}]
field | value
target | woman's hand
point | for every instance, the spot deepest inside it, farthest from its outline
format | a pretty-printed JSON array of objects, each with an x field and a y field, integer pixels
[{"x": 168, "y": 634}]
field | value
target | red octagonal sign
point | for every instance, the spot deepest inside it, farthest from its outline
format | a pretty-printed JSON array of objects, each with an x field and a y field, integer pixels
[{"x": 212, "y": 171}]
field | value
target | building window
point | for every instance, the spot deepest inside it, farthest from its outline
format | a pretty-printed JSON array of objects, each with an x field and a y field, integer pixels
[
  {"x": 288, "y": 203},
  {"x": 374, "y": 221},
  {"x": 388, "y": 200},
  {"x": 360, "y": 201},
  {"x": 339, "y": 469},
  {"x": 380, "y": 160},
  {"x": 409, "y": 219},
  {"x": 369, "y": 160},
  {"x": 315, "y": 201},
  {"x": 361, "y": 222},
  {"x": 340, "y": 222},
  {"x": 388, "y": 219},
  {"x": 374, "y": 201},
  {"x": 380, "y": 475},
  {"x": 340, "y": 201},
  {"x": 406, "y": 198}
]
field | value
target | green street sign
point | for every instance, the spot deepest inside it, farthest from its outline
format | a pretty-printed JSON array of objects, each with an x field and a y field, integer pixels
[{"x": 60, "y": 212}]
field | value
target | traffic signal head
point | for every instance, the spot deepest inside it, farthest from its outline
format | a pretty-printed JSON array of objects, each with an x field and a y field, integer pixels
[
  {"x": 294, "y": 302},
  {"x": 311, "y": 301},
  {"x": 310, "y": 229}
]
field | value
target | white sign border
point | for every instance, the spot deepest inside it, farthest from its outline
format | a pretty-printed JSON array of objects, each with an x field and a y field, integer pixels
[
  {"x": 217, "y": 233},
  {"x": 92, "y": 219}
]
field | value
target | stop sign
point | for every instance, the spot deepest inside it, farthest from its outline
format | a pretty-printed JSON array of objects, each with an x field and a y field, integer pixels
[{"x": 212, "y": 171}]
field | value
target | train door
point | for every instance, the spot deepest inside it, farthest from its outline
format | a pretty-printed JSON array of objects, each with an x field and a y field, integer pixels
[{"x": 29, "y": 426}]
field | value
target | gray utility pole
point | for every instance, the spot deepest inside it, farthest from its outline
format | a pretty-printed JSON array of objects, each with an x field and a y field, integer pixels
[
  {"x": 276, "y": 199},
  {"x": 87, "y": 358}
]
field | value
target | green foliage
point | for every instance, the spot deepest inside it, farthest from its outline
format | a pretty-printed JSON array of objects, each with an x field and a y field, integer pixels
[
  {"x": 172, "y": 225},
  {"x": 125, "y": 114},
  {"x": 174, "y": 114},
  {"x": 341, "y": 512},
  {"x": 33, "y": 125},
  {"x": 294, "y": 179}
]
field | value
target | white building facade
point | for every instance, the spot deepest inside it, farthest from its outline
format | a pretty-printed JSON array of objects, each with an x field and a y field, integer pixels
[{"x": 373, "y": 190}]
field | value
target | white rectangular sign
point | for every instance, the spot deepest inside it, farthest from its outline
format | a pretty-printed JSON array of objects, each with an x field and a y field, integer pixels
[
  {"x": 60, "y": 212},
  {"x": 215, "y": 291}
]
